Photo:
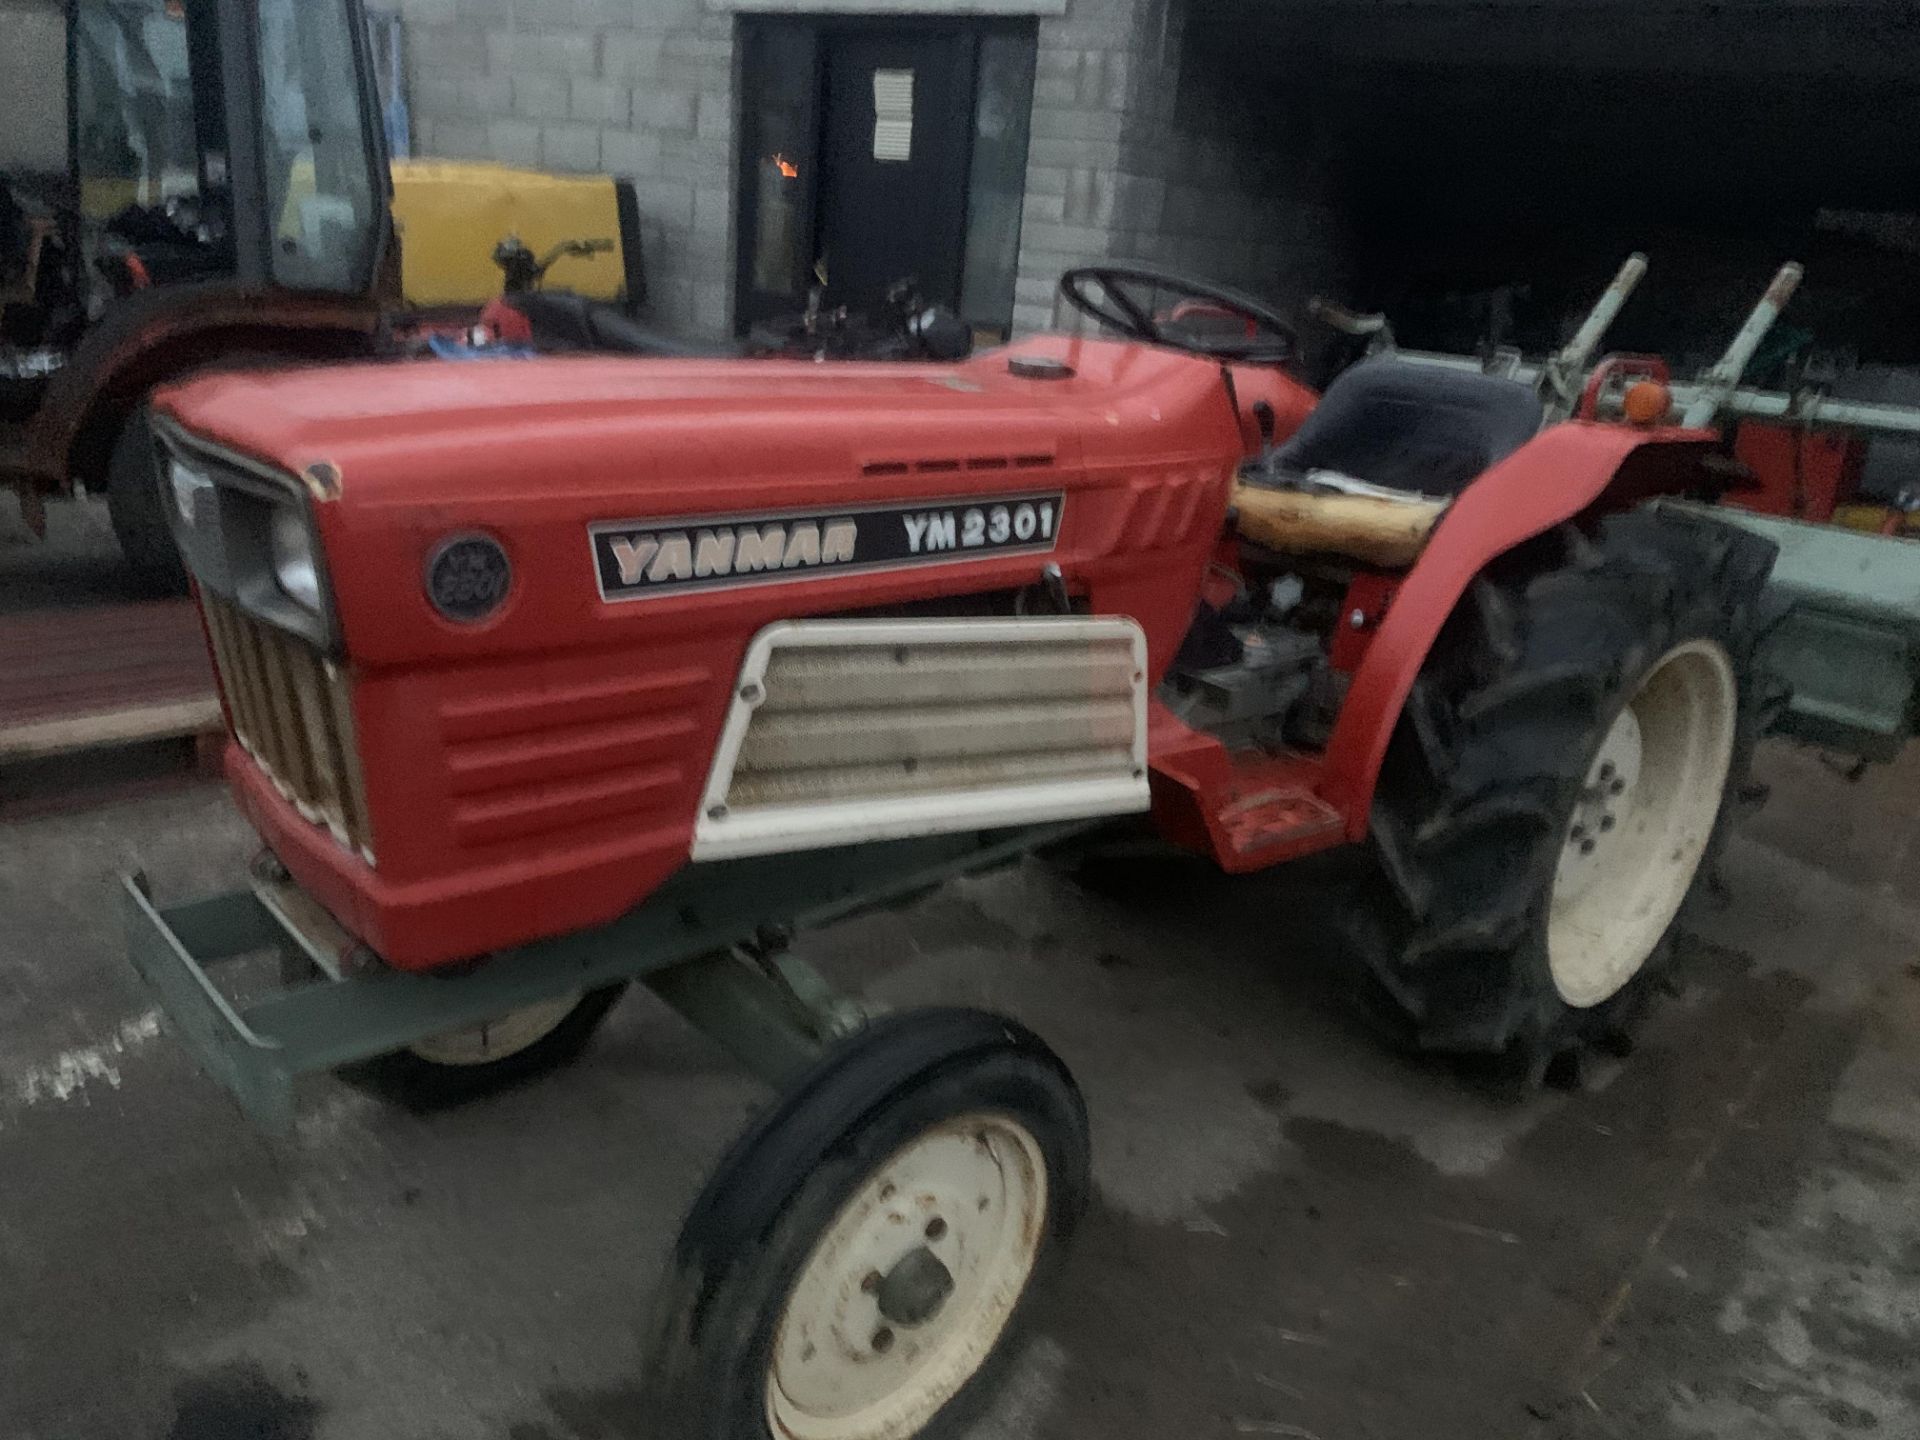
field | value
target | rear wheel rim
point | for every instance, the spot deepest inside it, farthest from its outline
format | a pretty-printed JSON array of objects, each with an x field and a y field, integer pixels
[
  {"x": 1643, "y": 821},
  {"x": 499, "y": 1038},
  {"x": 875, "y": 1336}
]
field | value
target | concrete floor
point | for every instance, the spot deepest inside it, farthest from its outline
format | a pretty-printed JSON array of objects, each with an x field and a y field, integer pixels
[
  {"x": 77, "y": 562},
  {"x": 1297, "y": 1232}
]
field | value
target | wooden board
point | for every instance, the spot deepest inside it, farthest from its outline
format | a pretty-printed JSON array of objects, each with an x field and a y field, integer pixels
[
  {"x": 1377, "y": 530},
  {"x": 78, "y": 679}
]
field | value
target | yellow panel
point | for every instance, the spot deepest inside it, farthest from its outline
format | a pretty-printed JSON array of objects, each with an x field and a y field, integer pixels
[
  {"x": 450, "y": 215},
  {"x": 103, "y": 197},
  {"x": 1871, "y": 517}
]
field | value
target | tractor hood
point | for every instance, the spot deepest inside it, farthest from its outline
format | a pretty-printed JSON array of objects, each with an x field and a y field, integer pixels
[
  {"x": 481, "y": 626},
  {"x": 643, "y": 431},
  {"x": 598, "y": 478}
]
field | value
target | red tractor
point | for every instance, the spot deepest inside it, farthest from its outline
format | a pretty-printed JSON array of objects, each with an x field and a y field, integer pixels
[{"x": 547, "y": 676}]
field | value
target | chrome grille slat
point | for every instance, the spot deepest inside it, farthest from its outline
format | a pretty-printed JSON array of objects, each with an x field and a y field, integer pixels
[
  {"x": 237, "y": 675},
  {"x": 930, "y": 731},
  {"x": 292, "y": 711},
  {"x": 269, "y": 739},
  {"x": 952, "y": 773},
  {"x": 841, "y": 679},
  {"x": 293, "y": 764},
  {"x": 323, "y": 761},
  {"x": 353, "y": 794}
]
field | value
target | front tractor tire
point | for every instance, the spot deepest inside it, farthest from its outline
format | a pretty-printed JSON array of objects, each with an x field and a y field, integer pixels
[
  {"x": 136, "y": 506},
  {"x": 480, "y": 1060},
  {"x": 861, "y": 1256},
  {"x": 1559, "y": 782}
]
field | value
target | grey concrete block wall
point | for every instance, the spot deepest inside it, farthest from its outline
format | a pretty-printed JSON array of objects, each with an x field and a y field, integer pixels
[
  {"x": 640, "y": 89},
  {"x": 33, "y": 91},
  {"x": 1118, "y": 168}
]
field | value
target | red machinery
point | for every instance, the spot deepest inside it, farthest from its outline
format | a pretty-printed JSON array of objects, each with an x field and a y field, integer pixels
[
  {"x": 1831, "y": 482},
  {"x": 485, "y": 832},
  {"x": 609, "y": 669}
]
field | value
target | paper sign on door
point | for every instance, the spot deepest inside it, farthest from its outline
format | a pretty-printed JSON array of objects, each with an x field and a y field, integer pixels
[{"x": 893, "y": 114}]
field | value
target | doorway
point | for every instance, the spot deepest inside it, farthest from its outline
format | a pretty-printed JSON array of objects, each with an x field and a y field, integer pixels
[{"x": 876, "y": 152}]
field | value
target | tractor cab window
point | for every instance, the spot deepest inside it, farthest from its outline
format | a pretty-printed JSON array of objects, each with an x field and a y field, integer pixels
[
  {"x": 133, "y": 126},
  {"x": 150, "y": 194},
  {"x": 150, "y": 210},
  {"x": 318, "y": 157}
]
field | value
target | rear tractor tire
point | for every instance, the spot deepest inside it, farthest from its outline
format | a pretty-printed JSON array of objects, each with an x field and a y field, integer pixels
[
  {"x": 1559, "y": 784},
  {"x": 856, "y": 1265}
]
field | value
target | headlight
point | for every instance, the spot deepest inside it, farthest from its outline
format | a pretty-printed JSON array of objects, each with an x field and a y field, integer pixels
[{"x": 290, "y": 543}]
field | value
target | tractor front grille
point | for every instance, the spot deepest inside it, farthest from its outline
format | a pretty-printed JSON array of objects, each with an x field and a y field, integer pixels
[
  {"x": 843, "y": 732},
  {"x": 292, "y": 711}
]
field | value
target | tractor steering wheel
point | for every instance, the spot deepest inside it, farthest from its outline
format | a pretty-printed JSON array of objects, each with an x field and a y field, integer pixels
[{"x": 1157, "y": 307}]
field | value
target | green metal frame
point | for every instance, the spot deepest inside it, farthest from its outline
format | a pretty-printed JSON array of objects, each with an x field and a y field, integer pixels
[
  {"x": 693, "y": 942},
  {"x": 1848, "y": 640}
]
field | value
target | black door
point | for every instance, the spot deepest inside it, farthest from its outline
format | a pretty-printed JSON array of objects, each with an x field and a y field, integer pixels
[
  {"x": 879, "y": 151},
  {"x": 897, "y": 122},
  {"x": 893, "y": 156}
]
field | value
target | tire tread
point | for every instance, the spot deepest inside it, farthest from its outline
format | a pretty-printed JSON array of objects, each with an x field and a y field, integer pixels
[{"x": 1493, "y": 746}]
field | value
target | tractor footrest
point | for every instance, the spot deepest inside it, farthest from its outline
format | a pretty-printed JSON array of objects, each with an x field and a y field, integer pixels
[
  {"x": 1279, "y": 816},
  {"x": 1246, "y": 808}
]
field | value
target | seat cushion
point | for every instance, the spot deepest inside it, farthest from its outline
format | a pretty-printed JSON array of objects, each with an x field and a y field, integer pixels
[
  {"x": 1373, "y": 529},
  {"x": 1405, "y": 426}
]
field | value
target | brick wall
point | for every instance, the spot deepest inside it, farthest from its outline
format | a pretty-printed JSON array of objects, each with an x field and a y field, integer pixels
[
  {"x": 1130, "y": 158},
  {"x": 636, "y": 88},
  {"x": 1140, "y": 153}
]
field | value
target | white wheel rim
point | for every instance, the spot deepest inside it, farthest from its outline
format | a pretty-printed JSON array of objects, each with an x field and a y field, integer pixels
[
  {"x": 972, "y": 1193},
  {"x": 1641, "y": 826},
  {"x": 498, "y": 1038}
]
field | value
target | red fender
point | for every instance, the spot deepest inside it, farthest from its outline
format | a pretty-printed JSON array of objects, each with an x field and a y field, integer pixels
[
  {"x": 1559, "y": 474},
  {"x": 155, "y": 336}
]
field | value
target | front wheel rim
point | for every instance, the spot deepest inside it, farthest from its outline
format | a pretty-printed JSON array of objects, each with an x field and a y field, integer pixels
[
  {"x": 499, "y": 1038},
  {"x": 911, "y": 1285},
  {"x": 1643, "y": 821}
]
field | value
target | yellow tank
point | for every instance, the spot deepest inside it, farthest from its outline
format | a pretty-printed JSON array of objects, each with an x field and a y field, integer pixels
[{"x": 450, "y": 214}]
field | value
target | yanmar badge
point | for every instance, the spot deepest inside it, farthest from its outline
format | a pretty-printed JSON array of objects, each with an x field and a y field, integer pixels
[{"x": 635, "y": 559}]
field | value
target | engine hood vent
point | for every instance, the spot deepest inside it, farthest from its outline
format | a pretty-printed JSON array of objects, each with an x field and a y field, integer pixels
[{"x": 849, "y": 731}]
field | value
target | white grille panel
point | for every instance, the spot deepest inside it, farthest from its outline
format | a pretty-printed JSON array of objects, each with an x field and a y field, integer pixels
[
  {"x": 843, "y": 731},
  {"x": 803, "y": 680}
]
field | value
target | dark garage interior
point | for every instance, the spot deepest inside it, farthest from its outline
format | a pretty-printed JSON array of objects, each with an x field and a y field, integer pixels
[{"x": 1497, "y": 160}]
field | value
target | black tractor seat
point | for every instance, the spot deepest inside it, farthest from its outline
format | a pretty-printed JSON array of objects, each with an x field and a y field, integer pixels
[
  {"x": 1409, "y": 427},
  {"x": 1387, "y": 450}
]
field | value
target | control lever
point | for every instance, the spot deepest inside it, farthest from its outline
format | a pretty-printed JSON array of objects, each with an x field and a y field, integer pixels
[
  {"x": 1263, "y": 419},
  {"x": 522, "y": 272}
]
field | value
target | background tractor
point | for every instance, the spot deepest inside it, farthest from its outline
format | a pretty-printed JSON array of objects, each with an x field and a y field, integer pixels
[
  {"x": 544, "y": 678},
  {"x": 188, "y": 184},
  {"x": 211, "y": 188}
]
